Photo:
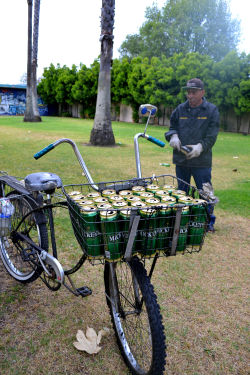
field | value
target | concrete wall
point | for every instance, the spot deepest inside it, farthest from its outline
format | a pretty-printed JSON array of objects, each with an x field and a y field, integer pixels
[
  {"x": 126, "y": 113},
  {"x": 245, "y": 123},
  {"x": 236, "y": 124},
  {"x": 76, "y": 110}
]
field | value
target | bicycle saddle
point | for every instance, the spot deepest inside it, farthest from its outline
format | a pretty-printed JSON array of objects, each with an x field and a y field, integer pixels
[{"x": 42, "y": 181}]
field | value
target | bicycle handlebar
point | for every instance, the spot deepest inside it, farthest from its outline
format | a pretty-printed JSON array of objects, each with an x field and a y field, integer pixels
[
  {"x": 137, "y": 152},
  {"x": 155, "y": 140},
  {"x": 44, "y": 151},
  {"x": 50, "y": 147}
]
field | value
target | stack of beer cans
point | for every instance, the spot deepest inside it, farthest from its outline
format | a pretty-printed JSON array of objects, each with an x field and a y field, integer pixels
[{"x": 102, "y": 221}]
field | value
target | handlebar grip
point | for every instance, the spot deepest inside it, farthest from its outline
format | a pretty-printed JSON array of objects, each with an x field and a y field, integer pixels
[
  {"x": 44, "y": 151},
  {"x": 155, "y": 141}
]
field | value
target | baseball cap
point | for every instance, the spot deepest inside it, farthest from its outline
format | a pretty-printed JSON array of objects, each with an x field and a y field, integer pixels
[{"x": 194, "y": 83}]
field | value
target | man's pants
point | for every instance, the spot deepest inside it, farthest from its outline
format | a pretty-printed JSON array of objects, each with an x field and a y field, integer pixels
[{"x": 200, "y": 175}]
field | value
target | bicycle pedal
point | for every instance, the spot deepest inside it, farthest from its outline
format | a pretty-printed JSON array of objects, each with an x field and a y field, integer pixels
[
  {"x": 84, "y": 291},
  {"x": 28, "y": 255}
]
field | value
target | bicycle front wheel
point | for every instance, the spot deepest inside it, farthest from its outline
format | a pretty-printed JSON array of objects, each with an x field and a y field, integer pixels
[
  {"x": 136, "y": 317},
  {"x": 20, "y": 261}
]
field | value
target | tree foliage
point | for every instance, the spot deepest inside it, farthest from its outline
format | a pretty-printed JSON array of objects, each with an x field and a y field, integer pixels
[
  {"x": 157, "y": 81},
  {"x": 184, "y": 26},
  {"x": 84, "y": 90}
]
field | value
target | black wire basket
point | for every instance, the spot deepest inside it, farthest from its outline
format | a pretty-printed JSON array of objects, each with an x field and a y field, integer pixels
[{"x": 169, "y": 221}]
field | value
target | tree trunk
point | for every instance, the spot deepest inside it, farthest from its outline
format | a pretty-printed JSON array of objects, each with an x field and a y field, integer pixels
[
  {"x": 34, "y": 60},
  {"x": 102, "y": 133},
  {"x": 29, "y": 114},
  {"x": 31, "y": 110}
]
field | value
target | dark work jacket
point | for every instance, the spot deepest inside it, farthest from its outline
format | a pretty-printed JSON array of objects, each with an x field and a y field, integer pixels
[{"x": 194, "y": 125}]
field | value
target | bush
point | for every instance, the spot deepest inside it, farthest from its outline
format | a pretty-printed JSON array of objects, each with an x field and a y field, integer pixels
[{"x": 66, "y": 114}]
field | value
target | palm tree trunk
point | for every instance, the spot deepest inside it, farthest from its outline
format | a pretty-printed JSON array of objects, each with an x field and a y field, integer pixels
[
  {"x": 31, "y": 110},
  {"x": 34, "y": 60},
  {"x": 102, "y": 133},
  {"x": 29, "y": 114}
]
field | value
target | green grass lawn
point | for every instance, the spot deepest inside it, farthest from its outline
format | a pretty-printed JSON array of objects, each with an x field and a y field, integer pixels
[
  {"x": 231, "y": 155},
  {"x": 202, "y": 296}
]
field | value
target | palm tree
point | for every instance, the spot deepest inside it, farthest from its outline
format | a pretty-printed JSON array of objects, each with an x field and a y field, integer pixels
[
  {"x": 31, "y": 110},
  {"x": 34, "y": 59},
  {"x": 102, "y": 133}
]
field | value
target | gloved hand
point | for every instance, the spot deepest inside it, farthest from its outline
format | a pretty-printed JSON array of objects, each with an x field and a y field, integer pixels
[
  {"x": 196, "y": 151},
  {"x": 175, "y": 142}
]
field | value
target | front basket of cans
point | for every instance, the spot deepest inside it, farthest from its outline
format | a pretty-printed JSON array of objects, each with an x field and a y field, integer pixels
[{"x": 169, "y": 221}]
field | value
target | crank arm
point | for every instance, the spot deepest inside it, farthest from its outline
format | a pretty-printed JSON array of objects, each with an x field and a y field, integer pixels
[{"x": 44, "y": 257}]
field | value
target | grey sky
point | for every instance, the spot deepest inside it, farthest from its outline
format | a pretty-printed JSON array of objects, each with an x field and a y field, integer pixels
[{"x": 69, "y": 31}]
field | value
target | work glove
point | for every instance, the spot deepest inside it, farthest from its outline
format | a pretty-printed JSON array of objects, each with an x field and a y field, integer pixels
[
  {"x": 175, "y": 142},
  {"x": 196, "y": 151}
]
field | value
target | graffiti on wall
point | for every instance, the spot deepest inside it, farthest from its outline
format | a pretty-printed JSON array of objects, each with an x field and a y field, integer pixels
[{"x": 12, "y": 102}]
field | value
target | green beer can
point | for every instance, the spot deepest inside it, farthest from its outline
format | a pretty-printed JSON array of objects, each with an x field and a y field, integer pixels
[
  {"x": 115, "y": 198},
  {"x": 85, "y": 202},
  {"x": 169, "y": 200},
  {"x": 120, "y": 205},
  {"x": 108, "y": 192},
  {"x": 91, "y": 231},
  {"x": 104, "y": 206},
  {"x": 161, "y": 193},
  {"x": 111, "y": 235},
  {"x": 133, "y": 198},
  {"x": 197, "y": 223},
  {"x": 138, "y": 204},
  {"x": 75, "y": 197},
  {"x": 125, "y": 193},
  {"x": 169, "y": 188},
  {"x": 100, "y": 200},
  {"x": 183, "y": 234},
  {"x": 152, "y": 201},
  {"x": 78, "y": 198},
  {"x": 93, "y": 195},
  {"x": 178, "y": 194},
  {"x": 124, "y": 228},
  {"x": 138, "y": 189},
  {"x": 152, "y": 188},
  {"x": 73, "y": 194},
  {"x": 186, "y": 200},
  {"x": 164, "y": 226},
  {"x": 146, "y": 194},
  {"x": 147, "y": 232},
  {"x": 75, "y": 200}
]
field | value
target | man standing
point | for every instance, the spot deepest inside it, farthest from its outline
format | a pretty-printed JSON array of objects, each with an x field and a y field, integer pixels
[{"x": 194, "y": 124}]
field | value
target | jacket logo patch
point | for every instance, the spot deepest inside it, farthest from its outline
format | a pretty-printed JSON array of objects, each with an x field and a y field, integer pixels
[{"x": 202, "y": 118}]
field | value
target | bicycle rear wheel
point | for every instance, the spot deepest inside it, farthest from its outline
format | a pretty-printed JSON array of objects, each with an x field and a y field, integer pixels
[
  {"x": 136, "y": 317},
  {"x": 20, "y": 261}
]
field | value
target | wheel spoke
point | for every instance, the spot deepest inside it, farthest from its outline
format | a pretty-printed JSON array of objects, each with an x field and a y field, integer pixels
[
  {"x": 17, "y": 256},
  {"x": 136, "y": 317}
]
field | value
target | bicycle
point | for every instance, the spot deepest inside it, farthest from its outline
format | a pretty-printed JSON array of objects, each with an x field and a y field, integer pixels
[{"x": 121, "y": 238}]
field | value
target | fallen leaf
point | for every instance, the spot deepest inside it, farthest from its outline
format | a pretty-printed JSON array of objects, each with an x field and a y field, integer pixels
[
  {"x": 89, "y": 342},
  {"x": 101, "y": 333}
]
